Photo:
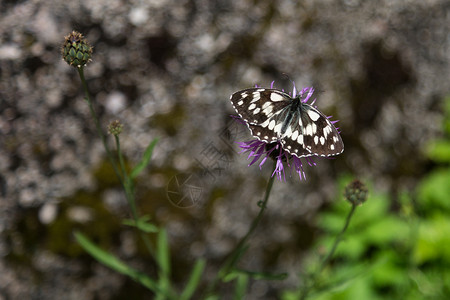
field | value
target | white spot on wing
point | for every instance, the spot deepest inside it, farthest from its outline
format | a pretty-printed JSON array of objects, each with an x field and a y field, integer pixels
[
  {"x": 295, "y": 135},
  {"x": 267, "y": 110},
  {"x": 322, "y": 140},
  {"x": 256, "y": 96},
  {"x": 313, "y": 115},
  {"x": 256, "y": 111},
  {"x": 332, "y": 146},
  {"x": 308, "y": 130},
  {"x": 326, "y": 131},
  {"x": 265, "y": 123},
  {"x": 252, "y": 106},
  {"x": 288, "y": 132},
  {"x": 316, "y": 139},
  {"x": 276, "y": 97},
  {"x": 271, "y": 124},
  {"x": 277, "y": 128},
  {"x": 240, "y": 103},
  {"x": 266, "y": 105}
]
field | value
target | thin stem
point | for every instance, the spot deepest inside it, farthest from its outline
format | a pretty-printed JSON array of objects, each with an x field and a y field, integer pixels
[
  {"x": 97, "y": 123},
  {"x": 128, "y": 187},
  {"x": 236, "y": 254},
  {"x": 122, "y": 176},
  {"x": 262, "y": 204},
  {"x": 338, "y": 239},
  {"x": 327, "y": 259}
]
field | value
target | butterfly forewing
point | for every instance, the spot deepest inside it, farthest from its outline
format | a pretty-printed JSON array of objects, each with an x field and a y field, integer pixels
[{"x": 272, "y": 115}]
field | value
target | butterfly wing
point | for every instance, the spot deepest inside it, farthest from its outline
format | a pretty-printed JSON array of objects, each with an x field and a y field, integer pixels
[
  {"x": 311, "y": 133},
  {"x": 263, "y": 110},
  {"x": 303, "y": 131}
]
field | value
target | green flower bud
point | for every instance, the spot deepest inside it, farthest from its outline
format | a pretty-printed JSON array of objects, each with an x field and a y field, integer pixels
[
  {"x": 356, "y": 192},
  {"x": 115, "y": 127},
  {"x": 75, "y": 50}
]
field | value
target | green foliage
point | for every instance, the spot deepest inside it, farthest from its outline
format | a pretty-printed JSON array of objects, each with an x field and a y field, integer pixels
[
  {"x": 142, "y": 224},
  {"x": 194, "y": 280},
  {"x": 145, "y": 159},
  {"x": 241, "y": 286},
  {"x": 391, "y": 253},
  {"x": 114, "y": 263},
  {"x": 387, "y": 254}
]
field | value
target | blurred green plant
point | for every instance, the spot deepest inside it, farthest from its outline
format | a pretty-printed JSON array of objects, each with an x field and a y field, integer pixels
[{"x": 391, "y": 253}]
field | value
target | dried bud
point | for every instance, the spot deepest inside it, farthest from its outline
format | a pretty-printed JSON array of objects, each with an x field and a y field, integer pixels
[
  {"x": 75, "y": 50},
  {"x": 356, "y": 192},
  {"x": 115, "y": 127}
]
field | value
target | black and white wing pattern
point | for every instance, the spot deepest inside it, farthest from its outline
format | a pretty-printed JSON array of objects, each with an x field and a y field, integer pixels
[{"x": 274, "y": 116}]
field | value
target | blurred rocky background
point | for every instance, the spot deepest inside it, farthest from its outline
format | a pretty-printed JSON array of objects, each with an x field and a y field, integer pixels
[{"x": 166, "y": 69}]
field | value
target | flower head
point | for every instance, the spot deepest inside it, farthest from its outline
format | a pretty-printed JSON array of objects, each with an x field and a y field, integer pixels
[
  {"x": 76, "y": 51},
  {"x": 356, "y": 192},
  {"x": 284, "y": 161},
  {"x": 115, "y": 127},
  {"x": 286, "y": 140}
]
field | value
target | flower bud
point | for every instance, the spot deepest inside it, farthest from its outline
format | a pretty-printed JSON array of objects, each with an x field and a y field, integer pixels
[
  {"x": 115, "y": 127},
  {"x": 356, "y": 192},
  {"x": 76, "y": 51}
]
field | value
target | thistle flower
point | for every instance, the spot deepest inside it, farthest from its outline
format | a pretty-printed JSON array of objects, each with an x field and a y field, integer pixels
[
  {"x": 76, "y": 51},
  {"x": 284, "y": 161},
  {"x": 286, "y": 128}
]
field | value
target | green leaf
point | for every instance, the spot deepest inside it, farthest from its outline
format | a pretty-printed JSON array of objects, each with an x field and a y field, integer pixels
[
  {"x": 241, "y": 287},
  {"x": 194, "y": 279},
  {"x": 114, "y": 263},
  {"x": 434, "y": 191},
  {"x": 163, "y": 252},
  {"x": 256, "y": 275},
  {"x": 439, "y": 151},
  {"x": 145, "y": 159},
  {"x": 142, "y": 224},
  {"x": 433, "y": 241},
  {"x": 163, "y": 259}
]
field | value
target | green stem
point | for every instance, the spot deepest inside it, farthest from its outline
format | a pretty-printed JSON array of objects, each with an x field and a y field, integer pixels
[
  {"x": 97, "y": 124},
  {"x": 236, "y": 254},
  {"x": 129, "y": 193},
  {"x": 128, "y": 185},
  {"x": 327, "y": 259},
  {"x": 123, "y": 177}
]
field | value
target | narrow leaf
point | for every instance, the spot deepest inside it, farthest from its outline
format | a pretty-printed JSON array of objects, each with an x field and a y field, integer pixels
[
  {"x": 142, "y": 224},
  {"x": 114, "y": 263},
  {"x": 163, "y": 252},
  {"x": 194, "y": 279},
  {"x": 263, "y": 275},
  {"x": 163, "y": 259},
  {"x": 241, "y": 287},
  {"x": 145, "y": 159}
]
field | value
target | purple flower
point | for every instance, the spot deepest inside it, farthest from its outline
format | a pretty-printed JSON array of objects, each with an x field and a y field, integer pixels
[{"x": 285, "y": 162}]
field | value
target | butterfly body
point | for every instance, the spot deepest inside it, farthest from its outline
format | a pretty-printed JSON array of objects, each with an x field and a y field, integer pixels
[{"x": 274, "y": 116}]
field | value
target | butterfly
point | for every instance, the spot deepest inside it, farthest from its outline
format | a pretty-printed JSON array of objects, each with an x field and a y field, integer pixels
[{"x": 274, "y": 116}]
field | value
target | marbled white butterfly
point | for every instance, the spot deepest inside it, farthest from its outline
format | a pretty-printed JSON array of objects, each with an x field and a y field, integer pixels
[{"x": 275, "y": 116}]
